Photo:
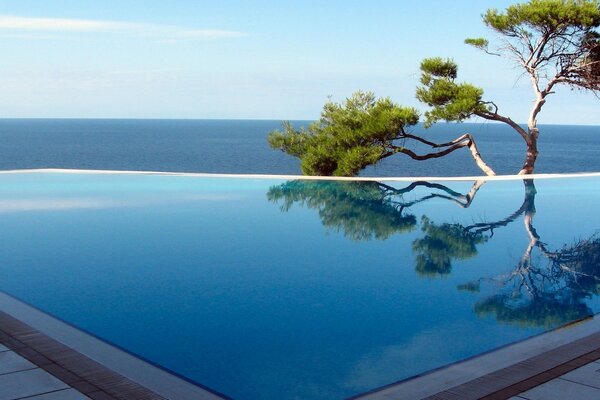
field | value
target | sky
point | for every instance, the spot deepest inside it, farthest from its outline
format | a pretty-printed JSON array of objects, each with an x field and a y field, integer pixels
[{"x": 255, "y": 59}]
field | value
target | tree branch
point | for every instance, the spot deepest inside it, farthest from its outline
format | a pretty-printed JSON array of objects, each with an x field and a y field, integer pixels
[
  {"x": 500, "y": 118},
  {"x": 465, "y": 140}
]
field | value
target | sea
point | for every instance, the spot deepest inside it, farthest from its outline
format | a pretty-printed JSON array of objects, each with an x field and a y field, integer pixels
[{"x": 240, "y": 147}]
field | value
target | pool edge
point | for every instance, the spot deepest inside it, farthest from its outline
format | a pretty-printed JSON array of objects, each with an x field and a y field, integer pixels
[
  {"x": 78, "y": 343},
  {"x": 304, "y": 177},
  {"x": 514, "y": 365}
]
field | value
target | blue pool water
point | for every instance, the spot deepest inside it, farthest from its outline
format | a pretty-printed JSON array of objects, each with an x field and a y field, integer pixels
[{"x": 271, "y": 289}]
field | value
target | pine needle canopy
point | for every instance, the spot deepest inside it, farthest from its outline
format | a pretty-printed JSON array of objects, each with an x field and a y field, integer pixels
[{"x": 544, "y": 15}]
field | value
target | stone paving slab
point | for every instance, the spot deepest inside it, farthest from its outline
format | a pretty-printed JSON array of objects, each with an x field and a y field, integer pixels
[
  {"x": 20, "y": 378},
  {"x": 587, "y": 375},
  {"x": 12, "y": 362},
  {"x": 31, "y": 382},
  {"x": 66, "y": 394},
  {"x": 561, "y": 389}
]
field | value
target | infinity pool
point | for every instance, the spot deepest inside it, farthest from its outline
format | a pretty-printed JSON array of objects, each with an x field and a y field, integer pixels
[{"x": 274, "y": 289}]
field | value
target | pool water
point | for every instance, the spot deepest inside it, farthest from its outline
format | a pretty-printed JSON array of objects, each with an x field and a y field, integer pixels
[{"x": 274, "y": 289}]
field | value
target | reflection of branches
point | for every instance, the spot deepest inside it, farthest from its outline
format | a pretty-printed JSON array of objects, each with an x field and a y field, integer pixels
[
  {"x": 538, "y": 293},
  {"x": 363, "y": 210},
  {"x": 545, "y": 288},
  {"x": 547, "y": 295},
  {"x": 463, "y": 200},
  {"x": 528, "y": 206}
]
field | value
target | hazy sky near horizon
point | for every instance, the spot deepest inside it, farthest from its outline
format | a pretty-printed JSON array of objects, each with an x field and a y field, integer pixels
[{"x": 238, "y": 59}]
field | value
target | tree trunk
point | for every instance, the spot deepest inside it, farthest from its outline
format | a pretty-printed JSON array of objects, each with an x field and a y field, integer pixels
[
  {"x": 531, "y": 153},
  {"x": 478, "y": 160}
]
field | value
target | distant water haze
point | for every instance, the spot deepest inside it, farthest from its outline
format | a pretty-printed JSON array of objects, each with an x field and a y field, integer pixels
[{"x": 240, "y": 146}]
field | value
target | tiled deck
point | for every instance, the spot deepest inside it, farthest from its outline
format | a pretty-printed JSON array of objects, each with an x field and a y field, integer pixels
[
  {"x": 20, "y": 379},
  {"x": 582, "y": 383}
]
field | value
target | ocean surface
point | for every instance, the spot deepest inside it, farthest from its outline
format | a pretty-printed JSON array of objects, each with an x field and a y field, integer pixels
[{"x": 240, "y": 146}]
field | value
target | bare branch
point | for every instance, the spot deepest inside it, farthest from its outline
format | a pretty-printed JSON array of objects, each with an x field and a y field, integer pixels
[
  {"x": 500, "y": 118},
  {"x": 465, "y": 140}
]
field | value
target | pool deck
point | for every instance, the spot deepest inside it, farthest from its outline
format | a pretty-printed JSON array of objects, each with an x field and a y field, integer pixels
[
  {"x": 20, "y": 378},
  {"x": 36, "y": 366}
]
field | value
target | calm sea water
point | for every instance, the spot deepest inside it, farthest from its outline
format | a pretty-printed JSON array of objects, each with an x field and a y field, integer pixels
[{"x": 239, "y": 146}]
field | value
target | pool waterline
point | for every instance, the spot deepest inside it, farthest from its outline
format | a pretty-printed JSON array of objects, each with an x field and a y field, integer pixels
[{"x": 304, "y": 289}]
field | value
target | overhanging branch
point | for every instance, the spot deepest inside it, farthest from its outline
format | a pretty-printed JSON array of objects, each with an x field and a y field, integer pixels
[{"x": 465, "y": 140}]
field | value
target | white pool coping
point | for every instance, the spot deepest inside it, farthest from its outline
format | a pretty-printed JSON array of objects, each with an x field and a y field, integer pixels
[{"x": 306, "y": 177}]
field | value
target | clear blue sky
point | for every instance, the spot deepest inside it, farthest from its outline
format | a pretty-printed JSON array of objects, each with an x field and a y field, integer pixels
[{"x": 244, "y": 59}]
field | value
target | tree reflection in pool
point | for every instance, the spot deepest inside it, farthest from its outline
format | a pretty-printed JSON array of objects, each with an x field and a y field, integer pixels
[{"x": 545, "y": 288}]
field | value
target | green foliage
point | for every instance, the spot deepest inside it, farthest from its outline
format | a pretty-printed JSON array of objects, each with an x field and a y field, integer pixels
[
  {"x": 289, "y": 140},
  {"x": 441, "y": 244},
  {"x": 361, "y": 210},
  {"x": 348, "y": 137},
  {"x": 449, "y": 101},
  {"x": 480, "y": 43},
  {"x": 544, "y": 15},
  {"x": 439, "y": 68}
]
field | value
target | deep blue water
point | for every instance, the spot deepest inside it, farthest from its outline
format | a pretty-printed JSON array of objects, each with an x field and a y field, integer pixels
[
  {"x": 267, "y": 289},
  {"x": 239, "y": 146}
]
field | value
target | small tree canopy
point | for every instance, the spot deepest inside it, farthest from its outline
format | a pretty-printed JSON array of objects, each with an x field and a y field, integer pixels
[
  {"x": 543, "y": 17},
  {"x": 479, "y": 43},
  {"x": 438, "y": 67},
  {"x": 348, "y": 137},
  {"x": 449, "y": 101}
]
